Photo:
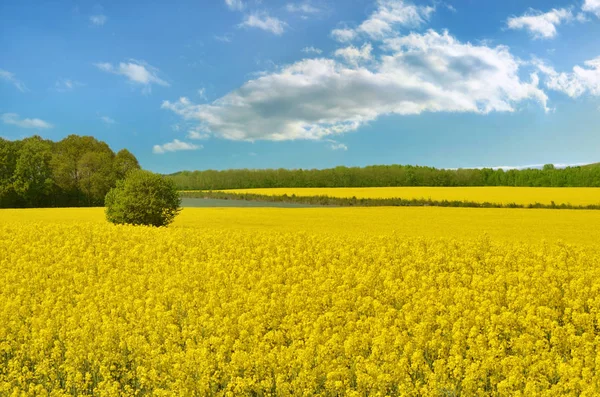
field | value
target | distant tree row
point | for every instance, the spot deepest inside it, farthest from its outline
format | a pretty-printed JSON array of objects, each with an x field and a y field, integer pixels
[
  {"x": 386, "y": 175},
  {"x": 76, "y": 171}
]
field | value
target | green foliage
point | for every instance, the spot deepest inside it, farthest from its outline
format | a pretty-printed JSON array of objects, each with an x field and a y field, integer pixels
[
  {"x": 32, "y": 177},
  {"x": 76, "y": 171},
  {"x": 143, "y": 198},
  {"x": 124, "y": 163},
  {"x": 384, "y": 176}
]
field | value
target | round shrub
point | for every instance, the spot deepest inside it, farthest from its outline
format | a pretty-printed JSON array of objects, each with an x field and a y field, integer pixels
[{"x": 143, "y": 198}]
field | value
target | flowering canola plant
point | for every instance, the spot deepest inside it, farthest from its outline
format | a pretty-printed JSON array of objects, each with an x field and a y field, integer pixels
[
  {"x": 89, "y": 308},
  {"x": 492, "y": 194}
]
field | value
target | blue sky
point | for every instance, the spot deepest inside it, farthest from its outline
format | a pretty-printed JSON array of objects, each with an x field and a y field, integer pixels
[{"x": 308, "y": 84}]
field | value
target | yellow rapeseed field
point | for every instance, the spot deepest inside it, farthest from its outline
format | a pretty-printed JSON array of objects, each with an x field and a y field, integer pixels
[
  {"x": 500, "y": 195},
  {"x": 318, "y": 301}
]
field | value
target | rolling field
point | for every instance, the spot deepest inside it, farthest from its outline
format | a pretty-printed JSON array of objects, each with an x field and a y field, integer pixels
[
  {"x": 316, "y": 301},
  {"x": 501, "y": 195}
]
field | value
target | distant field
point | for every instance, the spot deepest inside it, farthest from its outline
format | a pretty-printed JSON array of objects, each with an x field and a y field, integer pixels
[{"x": 502, "y": 195}]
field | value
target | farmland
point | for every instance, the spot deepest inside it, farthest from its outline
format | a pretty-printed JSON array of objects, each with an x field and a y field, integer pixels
[
  {"x": 311, "y": 301},
  {"x": 500, "y": 195}
]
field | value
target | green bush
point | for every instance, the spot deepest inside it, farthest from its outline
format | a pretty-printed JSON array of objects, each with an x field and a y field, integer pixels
[{"x": 143, "y": 198}]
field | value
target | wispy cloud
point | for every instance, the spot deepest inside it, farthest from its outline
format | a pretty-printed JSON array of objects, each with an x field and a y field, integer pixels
[
  {"x": 235, "y": 5},
  {"x": 202, "y": 93},
  {"x": 98, "y": 20},
  {"x": 137, "y": 72},
  {"x": 107, "y": 120},
  {"x": 580, "y": 81},
  {"x": 541, "y": 25},
  {"x": 64, "y": 85},
  {"x": 174, "y": 146},
  {"x": 303, "y": 8},
  {"x": 9, "y": 77},
  {"x": 264, "y": 22},
  {"x": 312, "y": 50},
  {"x": 335, "y": 145},
  {"x": 226, "y": 38},
  {"x": 13, "y": 119}
]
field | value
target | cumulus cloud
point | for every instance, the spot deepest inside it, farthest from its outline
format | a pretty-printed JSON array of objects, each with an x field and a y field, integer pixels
[
  {"x": 582, "y": 80},
  {"x": 13, "y": 119},
  {"x": 98, "y": 20},
  {"x": 541, "y": 25},
  {"x": 384, "y": 22},
  {"x": 264, "y": 22},
  {"x": 354, "y": 55},
  {"x": 235, "y": 5},
  {"x": 343, "y": 35},
  {"x": 9, "y": 77},
  {"x": 592, "y": 6},
  {"x": 316, "y": 98},
  {"x": 174, "y": 146},
  {"x": 394, "y": 13},
  {"x": 137, "y": 72}
]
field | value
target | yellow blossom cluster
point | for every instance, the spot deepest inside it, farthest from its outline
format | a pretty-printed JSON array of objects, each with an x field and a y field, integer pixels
[
  {"x": 491, "y": 194},
  {"x": 89, "y": 308}
]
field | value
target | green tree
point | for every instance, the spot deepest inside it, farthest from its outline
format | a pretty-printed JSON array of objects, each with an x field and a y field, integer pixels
[
  {"x": 67, "y": 167},
  {"x": 95, "y": 176},
  {"x": 9, "y": 151},
  {"x": 32, "y": 178},
  {"x": 124, "y": 162},
  {"x": 143, "y": 198}
]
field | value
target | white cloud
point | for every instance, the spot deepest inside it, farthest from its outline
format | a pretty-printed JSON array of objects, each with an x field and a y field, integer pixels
[
  {"x": 198, "y": 133},
  {"x": 385, "y": 20},
  {"x": 264, "y": 22},
  {"x": 335, "y": 145},
  {"x": 354, "y": 55},
  {"x": 98, "y": 20},
  {"x": 315, "y": 98},
  {"x": 235, "y": 5},
  {"x": 10, "y": 78},
  {"x": 304, "y": 8},
  {"x": 312, "y": 50},
  {"x": 343, "y": 35},
  {"x": 541, "y": 25},
  {"x": 107, "y": 120},
  {"x": 592, "y": 6},
  {"x": 174, "y": 146},
  {"x": 64, "y": 85},
  {"x": 137, "y": 72},
  {"x": 202, "y": 93},
  {"x": 394, "y": 13},
  {"x": 224, "y": 39},
  {"x": 13, "y": 119},
  {"x": 579, "y": 82}
]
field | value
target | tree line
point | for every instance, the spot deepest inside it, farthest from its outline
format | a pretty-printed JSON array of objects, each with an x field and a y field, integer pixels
[
  {"x": 325, "y": 200},
  {"x": 386, "y": 176},
  {"x": 74, "y": 172}
]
